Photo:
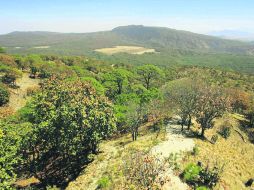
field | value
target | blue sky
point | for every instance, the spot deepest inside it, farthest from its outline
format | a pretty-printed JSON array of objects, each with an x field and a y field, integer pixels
[{"x": 201, "y": 16}]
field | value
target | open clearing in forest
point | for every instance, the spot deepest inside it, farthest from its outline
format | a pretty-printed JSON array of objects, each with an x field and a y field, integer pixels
[
  {"x": 125, "y": 49},
  {"x": 18, "y": 96}
]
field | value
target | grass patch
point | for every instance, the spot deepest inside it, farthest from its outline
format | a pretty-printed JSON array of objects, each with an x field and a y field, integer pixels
[{"x": 233, "y": 152}]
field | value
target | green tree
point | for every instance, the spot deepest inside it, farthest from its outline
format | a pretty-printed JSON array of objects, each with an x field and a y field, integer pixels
[
  {"x": 148, "y": 74},
  {"x": 212, "y": 102},
  {"x": 183, "y": 94},
  {"x": 2, "y": 50},
  {"x": 69, "y": 120},
  {"x": 115, "y": 81},
  {"x": 4, "y": 95},
  {"x": 11, "y": 137},
  {"x": 10, "y": 77},
  {"x": 249, "y": 112}
]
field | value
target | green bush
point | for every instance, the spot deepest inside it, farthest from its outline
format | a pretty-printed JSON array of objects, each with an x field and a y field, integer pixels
[
  {"x": 202, "y": 188},
  {"x": 4, "y": 95},
  {"x": 191, "y": 172},
  {"x": 225, "y": 132},
  {"x": 103, "y": 182},
  {"x": 197, "y": 176}
]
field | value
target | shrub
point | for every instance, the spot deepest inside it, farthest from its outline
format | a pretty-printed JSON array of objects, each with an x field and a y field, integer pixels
[
  {"x": 210, "y": 177},
  {"x": 143, "y": 170},
  {"x": 173, "y": 161},
  {"x": 195, "y": 150},
  {"x": 4, "y": 95},
  {"x": 191, "y": 172},
  {"x": 103, "y": 182},
  {"x": 225, "y": 132},
  {"x": 197, "y": 176}
]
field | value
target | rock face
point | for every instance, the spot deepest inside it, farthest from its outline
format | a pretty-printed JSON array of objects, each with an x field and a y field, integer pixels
[{"x": 175, "y": 143}]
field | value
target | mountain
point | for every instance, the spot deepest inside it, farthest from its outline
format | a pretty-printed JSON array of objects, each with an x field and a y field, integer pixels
[
  {"x": 161, "y": 39},
  {"x": 234, "y": 35}
]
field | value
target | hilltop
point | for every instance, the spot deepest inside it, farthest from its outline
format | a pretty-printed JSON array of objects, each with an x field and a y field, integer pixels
[
  {"x": 170, "y": 47},
  {"x": 161, "y": 38}
]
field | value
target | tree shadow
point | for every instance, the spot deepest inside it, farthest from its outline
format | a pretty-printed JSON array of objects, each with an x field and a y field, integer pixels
[
  {"x": 244, "y": 126},
  {"x": 54, "y": 170}
]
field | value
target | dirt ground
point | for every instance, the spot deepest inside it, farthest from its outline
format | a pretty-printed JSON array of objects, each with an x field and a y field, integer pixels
[{"x": 125, "y": 49}]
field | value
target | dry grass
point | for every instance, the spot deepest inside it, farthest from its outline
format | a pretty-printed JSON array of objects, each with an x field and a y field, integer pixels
[
  {"x": 26, "y": 182},
  {"x": 18, "y": 97},
  {"x": 237, "y": 156},
  {"x": 125, "y": 49},
  {"x": 109, "y": 162}
]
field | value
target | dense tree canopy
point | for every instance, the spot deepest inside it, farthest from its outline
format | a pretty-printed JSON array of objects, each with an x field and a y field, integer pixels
[
  {"x": 4, "y": 95},
  {"x": 149, "y": 74},
  {"x": 69, "y": 121}
]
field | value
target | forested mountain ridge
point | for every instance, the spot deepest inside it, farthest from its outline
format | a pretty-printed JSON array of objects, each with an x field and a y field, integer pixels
[{"x": 162, "y": 39}]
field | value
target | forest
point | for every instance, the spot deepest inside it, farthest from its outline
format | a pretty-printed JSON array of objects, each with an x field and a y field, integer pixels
[{"x": 65, "y": 120}]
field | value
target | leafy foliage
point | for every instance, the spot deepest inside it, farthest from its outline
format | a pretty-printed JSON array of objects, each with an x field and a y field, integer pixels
[
  {"x": 11, "y": 136},
  {"x": 4, "y": 95},
  {"x": 69, "y": 121},
  {"x": 198, "y": 176},
  {"x": 148, "y": 74}
]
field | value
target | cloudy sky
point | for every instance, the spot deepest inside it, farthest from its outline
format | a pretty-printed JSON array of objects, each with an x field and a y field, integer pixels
[{"x": 201, "y": 16}]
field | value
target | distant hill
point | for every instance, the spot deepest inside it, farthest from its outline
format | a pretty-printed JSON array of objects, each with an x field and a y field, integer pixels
[
  {"x": 162, "y": 39},
  {"x": 234, "y": 35},
  {"x": 174, "y": 47}
]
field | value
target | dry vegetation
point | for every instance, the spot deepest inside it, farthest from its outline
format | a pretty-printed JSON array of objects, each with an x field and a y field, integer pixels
[
  {"x": 109, "y": 162},
  {"x": 125, "y": 49},
  {"x": 237, "y": 155},
  {"x": 18, "y": 96}
]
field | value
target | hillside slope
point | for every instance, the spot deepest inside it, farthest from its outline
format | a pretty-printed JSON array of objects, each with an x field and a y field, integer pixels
[{"x": 162, "y": 39}]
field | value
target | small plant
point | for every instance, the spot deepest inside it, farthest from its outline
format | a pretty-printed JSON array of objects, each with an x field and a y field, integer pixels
[
  {"x": 191, "y": 173},
  {"x": 173, "y": 161},
  {"x": 195, "y": 150},
  {"x": 202, "y": 188},
  {"x": 225, "y": 132},
  {"x": 214, "y": 138},
  {"x": 201, "y": 178},
  {"x": 104, "y": 182}
]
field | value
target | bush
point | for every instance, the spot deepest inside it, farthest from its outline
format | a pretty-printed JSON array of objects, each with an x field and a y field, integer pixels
[
  {"x": 104, "y": 182},
  {"x": 143, "y": 170},
  {"x": 11, "y": 136},
  {"x": 195, "y": 150},
  {"x": 191, "y": 173},
  {"x": 225, "y": 132},
  {"x": 197, "y": 176},
  {"x": 4, "y": 95}
]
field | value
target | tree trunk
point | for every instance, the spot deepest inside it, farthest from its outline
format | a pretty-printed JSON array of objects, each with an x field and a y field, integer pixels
[
  {"x": 189, "y": 123},
  {"x": 202, "y": 132}
]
